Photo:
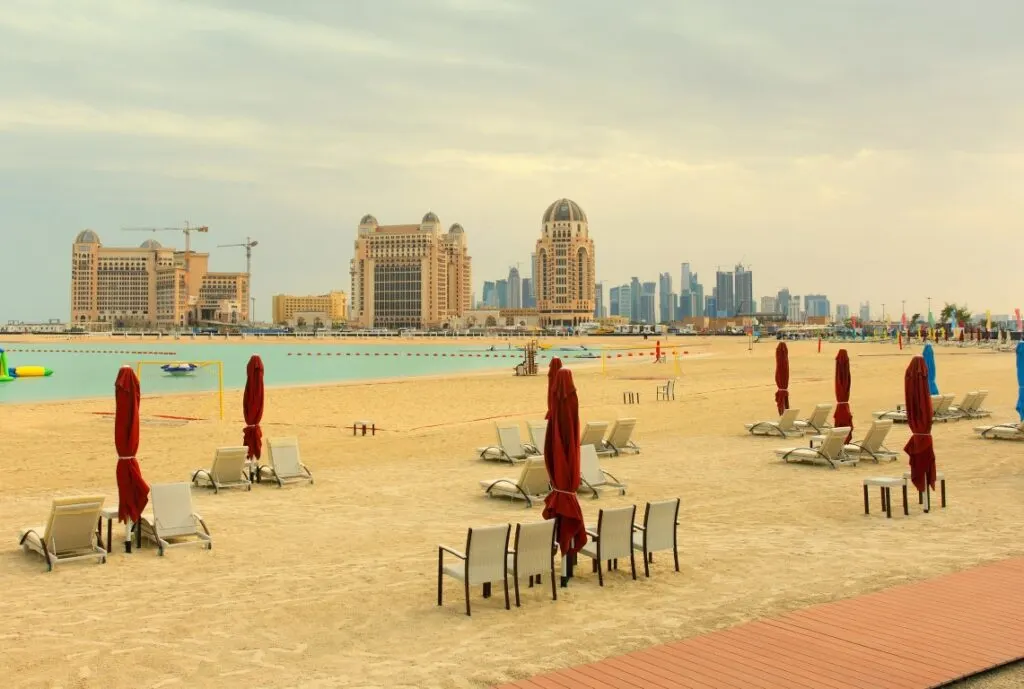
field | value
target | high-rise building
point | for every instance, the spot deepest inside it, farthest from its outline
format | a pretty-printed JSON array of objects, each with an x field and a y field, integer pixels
[
  {"x": 865, "y": 312},
  {"x": 691, "y": 300},
  {"x": 626, "y": 303},
  {"x": 817, "y": 306},
  {"x": 565, "y": 266},
  {"x": 599, "y": 311},
  {"x": 515, "y": 289},
  {"x": 635, "y": 291},
  {"x": 528, "y": 301},
  {"x": 666, "y": 307},
  {"x": 648, "y": 303},
  {"x": 685, "y": 278},
  {"x": 710, "y": 306},
  {"x": 795, "y": 314},
  {"x": 409, "y": 276},
  {"x": 151, "y": 285},
  {"x": 725, "y": 295},
  {"x": 842, "y": 313},
  {"x": 769, "y": 305},
  {"x": 501, "y": 289},
  {"x": 744, "y": 285},
  {"x": 490, "y": 293},
  {"x": 782, "y": 300},
  {"x": 333, "y": 305},
  {"x": 613, "y": 301}
]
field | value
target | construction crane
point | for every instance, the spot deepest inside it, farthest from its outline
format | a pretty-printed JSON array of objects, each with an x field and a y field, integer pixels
[
  {"x": 188, "y": 230},
  {"x": 249, "y": 243}
]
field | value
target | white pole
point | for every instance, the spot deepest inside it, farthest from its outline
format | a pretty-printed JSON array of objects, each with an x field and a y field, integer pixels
[{"x": 128, "y": 536}]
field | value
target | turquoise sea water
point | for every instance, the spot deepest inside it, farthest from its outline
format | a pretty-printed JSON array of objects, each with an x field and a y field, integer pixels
[{"x": 85, "y": 370}]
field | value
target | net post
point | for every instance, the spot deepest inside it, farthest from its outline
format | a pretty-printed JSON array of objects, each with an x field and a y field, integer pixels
[{"x": 220, "y": 387}]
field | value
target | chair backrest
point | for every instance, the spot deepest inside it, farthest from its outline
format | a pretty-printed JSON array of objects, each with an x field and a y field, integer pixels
[
  {"x": 172, "y": 509},
  {"x": 284, "y": 456},
  {"x": 615, "y": 531},
  {"x": 835, "y": 438},
  {"x": 946, "y": 403},
  {"x": 486, "y": 548},
  {"x": 979, "y": 400},
  {"x": 876, "y": 434},
  {"x": 820, "y": 415},
  {"x": 538, "y": 431},
  {"x": 534, "y": 546},
  {"x": 510, "y": 441},
  {"x": 660, "y": 523},
  {"x": 590, "y": 466},
  {"x": 788, "y": 419},
  {"x": 228, "y": 464},
  {"x": 593, "y": 433},
  {"x": 621, "y": 432},
  {"x": 970, "y": 399},
  {"x": 534, "y": 478},
  {"x": 72, "y": 523}
]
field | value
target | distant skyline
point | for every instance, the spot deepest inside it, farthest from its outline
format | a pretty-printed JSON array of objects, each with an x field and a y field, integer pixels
[{"x": 866, "y": 149}]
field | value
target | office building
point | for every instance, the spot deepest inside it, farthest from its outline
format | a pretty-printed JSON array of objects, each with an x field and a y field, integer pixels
[
  {"x": 613, "y": 301},
  {"x": 744, "y": 291},
  {"x": 635, "y": 291},
  {"x": 711, "y": 306},
  {"x": 782, "y": 300},
  {"x": 330, "y": 308},
  {"x": 725, "y": 295},
  {"x": 769, "y": 305},
  {"x": 151, "y": 285},
  {"x": 515, "y": 289},
  {"x": 648, "y": 303},
  {"x": 599, "y": 311},
  {"x": 691, "y": 299},
  {"x": 527, "y": 298},
  {"x": 565, "y": 266},
  {"x": 490, "y": 293},
  {"x": 666, "y": 305},
  {"x": 817, "y": 306},
  {"x": 842, "y": 313},
  {"x": 501, "y": 289},
  {"x": 626, "y": 303},
  {"x": 795, "y": 314},
  {"x": 409, "y": 276},
  {"x": 865, "y": 312}
]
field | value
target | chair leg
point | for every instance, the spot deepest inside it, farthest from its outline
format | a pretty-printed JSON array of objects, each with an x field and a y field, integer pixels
[
  {"x": 632, "y": 563},
  {"x": 867, "y": 502},
  {"x": 515, "y": 585},
  {"x": 647, "y": 566},
  {"x": 554, "y": 586},
  {"x": 467, "y": 598},
  {"x": 675, "y": 554},
  {"x": 507, "y": 606},
  {"x": 600, "y": 573},
  {"x": 440, "y": 574}
]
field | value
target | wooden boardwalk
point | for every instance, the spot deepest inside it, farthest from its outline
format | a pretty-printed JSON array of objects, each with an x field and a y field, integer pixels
[{"x": 914, "y": 636}]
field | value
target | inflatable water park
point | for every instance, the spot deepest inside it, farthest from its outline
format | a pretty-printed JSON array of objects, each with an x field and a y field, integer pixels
[
  {"x": 179, "y": 369},
  {"x": 9, "y": 373}
]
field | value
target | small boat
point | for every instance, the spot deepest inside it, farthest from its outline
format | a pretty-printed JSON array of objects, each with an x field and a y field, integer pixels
[{"x": 179, "y": 369}]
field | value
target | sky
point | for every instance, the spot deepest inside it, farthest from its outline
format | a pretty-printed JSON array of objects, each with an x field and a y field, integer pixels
[{"x": 871, "y": 150}]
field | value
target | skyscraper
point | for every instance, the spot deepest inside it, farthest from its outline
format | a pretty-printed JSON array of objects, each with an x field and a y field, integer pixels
[
  {"x": 795, "y": 314},
  {"x": 817, "y": 306},
  {"x": 666, "y": 306},
  {"x": 769, "y": 305},
  {"x": 842, "y": 313},
  {"x": 635, "y": 290},
  {"x": 626, "y": 303},
  {"x": 744, "y": 286},
  {"x": 599, "y": 300},
  {"x": 613, "y": 301},
  {"x": 501, "y": 288},
  {"x": 725, "y": 300},
  {"x": 782, "y": 300},
  {"x": 648, "y": 311},
  {"x": 565, "y": 265},
  {"x": 528, "y": 300},
  {"x": 865, "y": 312},
  {"x": 515, "y": 289},
  {"x": 490, "y": 294}
]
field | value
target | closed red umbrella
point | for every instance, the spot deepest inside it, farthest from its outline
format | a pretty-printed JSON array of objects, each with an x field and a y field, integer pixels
[
  {"x": 843, "y": 415},
  {"x": 562, "y": 459},
  {"x": 252, "y": 407},
  {"x": 919, "y": 418},
  {"x": 782, "y": 377},
  {"x": 132, "y": 489},
  {"x": 553, "y": 368}
]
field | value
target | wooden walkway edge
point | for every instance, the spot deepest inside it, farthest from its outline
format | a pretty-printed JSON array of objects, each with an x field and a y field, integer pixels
[{"x": 915, "y": 636}]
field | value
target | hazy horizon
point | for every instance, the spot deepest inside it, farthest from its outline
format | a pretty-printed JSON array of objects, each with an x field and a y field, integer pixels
[{"x": 864, "y": 149}]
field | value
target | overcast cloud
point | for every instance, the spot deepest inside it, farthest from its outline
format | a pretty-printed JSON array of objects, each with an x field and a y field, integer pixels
[{"x": 865, "y": 149}]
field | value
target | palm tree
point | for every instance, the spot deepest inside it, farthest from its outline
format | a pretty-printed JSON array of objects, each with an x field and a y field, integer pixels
[{"x": 960, "y": 313}]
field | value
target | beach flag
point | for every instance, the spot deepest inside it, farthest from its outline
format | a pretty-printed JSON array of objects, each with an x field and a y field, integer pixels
[
  {"x": 903, "y": 322},
  {"x": 1016, "y": 312},
  {"x": 899, "y": 340},
  {"x": 988, "y": 320},
  {"x": 931, "y": 320}
]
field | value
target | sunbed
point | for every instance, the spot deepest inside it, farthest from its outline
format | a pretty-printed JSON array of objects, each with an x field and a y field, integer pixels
[
  {"x": 69, "y": 533},
  {"x": 829, "y": 452},
  {"x": 227, "y": 470},
  {"x": 784, "y": 427},
  {"x": 510, "y": 447},
  {"x": 592, "y": 477},
  {"x": 174, "y": 523},
  {"x": 532, "y": 484}
]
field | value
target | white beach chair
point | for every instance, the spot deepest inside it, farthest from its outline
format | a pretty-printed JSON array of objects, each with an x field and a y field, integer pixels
[
  {"x": 593, "y": 434},
  {"x": 941, "y": 412},
  {"x": 533, "y": 555},
  {"x": 484, "y": 562},
  {"x": 610, "y": 540},
  {"x": 963, "y": 408},
  {"x": 1002, "y": 431},
  {"x": 592, "y": 477},
  {"x": 174, "y": 523},
  {"x": 658, "y": 532},
  {"x": 829, "y": 452},
  {"x": 537, "y": 431},
  {"x": 817, "y": 421},
  {"x": 873, "y": 444},
  {"x": 899, "y": 414},
  {"x": 228, "y": 470},
  {"x": 620, "y": 438},
  {"x": 979, "y": 411},
  {"x": 285, "y": 465},
  {"x": 785, "y": 427},
  {"x": 69, "y": 533},
  {"x": 510, "y": 446},
  {"x": 532, "y": 484}
]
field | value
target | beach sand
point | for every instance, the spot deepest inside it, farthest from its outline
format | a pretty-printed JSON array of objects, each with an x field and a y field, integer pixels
[{"x": 333, "y": 585}]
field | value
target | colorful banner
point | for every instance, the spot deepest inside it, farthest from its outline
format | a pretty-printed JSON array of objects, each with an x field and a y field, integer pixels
[
  {"x": 988, "y": 320},
  {"x": 1016, "y": 312}
]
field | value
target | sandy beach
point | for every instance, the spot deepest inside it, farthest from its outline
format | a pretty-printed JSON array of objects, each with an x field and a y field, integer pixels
[{"x": 333, "y": 585}]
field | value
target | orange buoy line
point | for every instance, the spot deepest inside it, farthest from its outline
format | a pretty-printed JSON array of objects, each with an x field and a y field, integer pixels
[{"x": 92, "y": 351}]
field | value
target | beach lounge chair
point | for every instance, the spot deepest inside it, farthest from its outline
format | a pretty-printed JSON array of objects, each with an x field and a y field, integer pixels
[
  {"x": 978, "y": 411},
  {"x": 942, "y": 412},
  {"x": 817, "y": 421},
  {"x": 829, "y": 452},
  {"x": 873, "y": 444},
  {"x": 658, "y": 531},
  {"x": 285, "y": 465},
  {"x": 533, "y": 555},
  {"x": 620, "y": 438},
  {"x": 611, "y": 539},
  {"x": 532, "y": 484},
  {"x": 593, "y": 434},
  {"x": 964, "y": 406},
  {"x": 228, "y": 470},
  {"x": 1002, "y": 431},
  {"x": 899, "y": 414},
  {"x": 510, "y": 446},
  {"x": 785, "y": 427},
  {"x": 174, "y": 523},
  {"x": 592, "y": 477},
  {"x": 69, "y": 533},
  {"x": 484, "y": 562},
  {"x": 537, "y": 431}
]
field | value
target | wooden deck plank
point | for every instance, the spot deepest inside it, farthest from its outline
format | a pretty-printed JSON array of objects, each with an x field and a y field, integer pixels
[{"x": 913, "y": 636}]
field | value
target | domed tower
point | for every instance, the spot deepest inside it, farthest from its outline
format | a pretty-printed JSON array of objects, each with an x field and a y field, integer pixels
[
  {"x": 564, "y": 266},
  {"x": 85, "y": 253}
]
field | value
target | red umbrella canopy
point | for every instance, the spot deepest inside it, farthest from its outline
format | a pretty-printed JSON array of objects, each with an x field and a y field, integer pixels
[
  {"x": 919, "y": 418},
  {"x": 843, "y": 415},
  {"x": 252, "y": 407},
  {"x": 562, "y": 458},
  {"x": 554, "y": 367},
  {"x": 782, "y": 377},
  {"x": 132, "y": 489}
]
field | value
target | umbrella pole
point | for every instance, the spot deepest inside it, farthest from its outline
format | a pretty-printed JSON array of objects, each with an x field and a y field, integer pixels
[
  {"x": 128, "y": 536},
  {"x": 927, "y": 498}
]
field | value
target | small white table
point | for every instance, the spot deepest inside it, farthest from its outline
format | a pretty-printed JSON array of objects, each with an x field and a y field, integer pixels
[
  {"x": 109, "y": 512},
  {"x": 941, "y": 478},
  {"x": 885, "y": 485}
]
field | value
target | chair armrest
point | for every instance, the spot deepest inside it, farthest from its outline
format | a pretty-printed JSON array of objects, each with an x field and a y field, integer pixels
[
  {"x": 592, "y": 534},
  {"x": 453, "y": 551},
  {"x": 637, "y": 527}
]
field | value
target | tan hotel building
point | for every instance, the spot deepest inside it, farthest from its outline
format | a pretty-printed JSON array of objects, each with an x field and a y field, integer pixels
[
  {"x": 333, "y": 305},
  {"x": 564, "y": 266},
  {"x": 409, "y": 276},
  {"x": 151, "y": 285}
]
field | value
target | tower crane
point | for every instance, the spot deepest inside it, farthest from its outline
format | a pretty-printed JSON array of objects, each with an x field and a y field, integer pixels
[
  {"x": 188, "y": 230},
  {"x": 248, "y": 244}
]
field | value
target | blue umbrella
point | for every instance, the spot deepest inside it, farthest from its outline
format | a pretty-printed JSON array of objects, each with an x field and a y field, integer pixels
[
  {"x": 1020, "y": 379},
  {"x": 929, "y": 361}
]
